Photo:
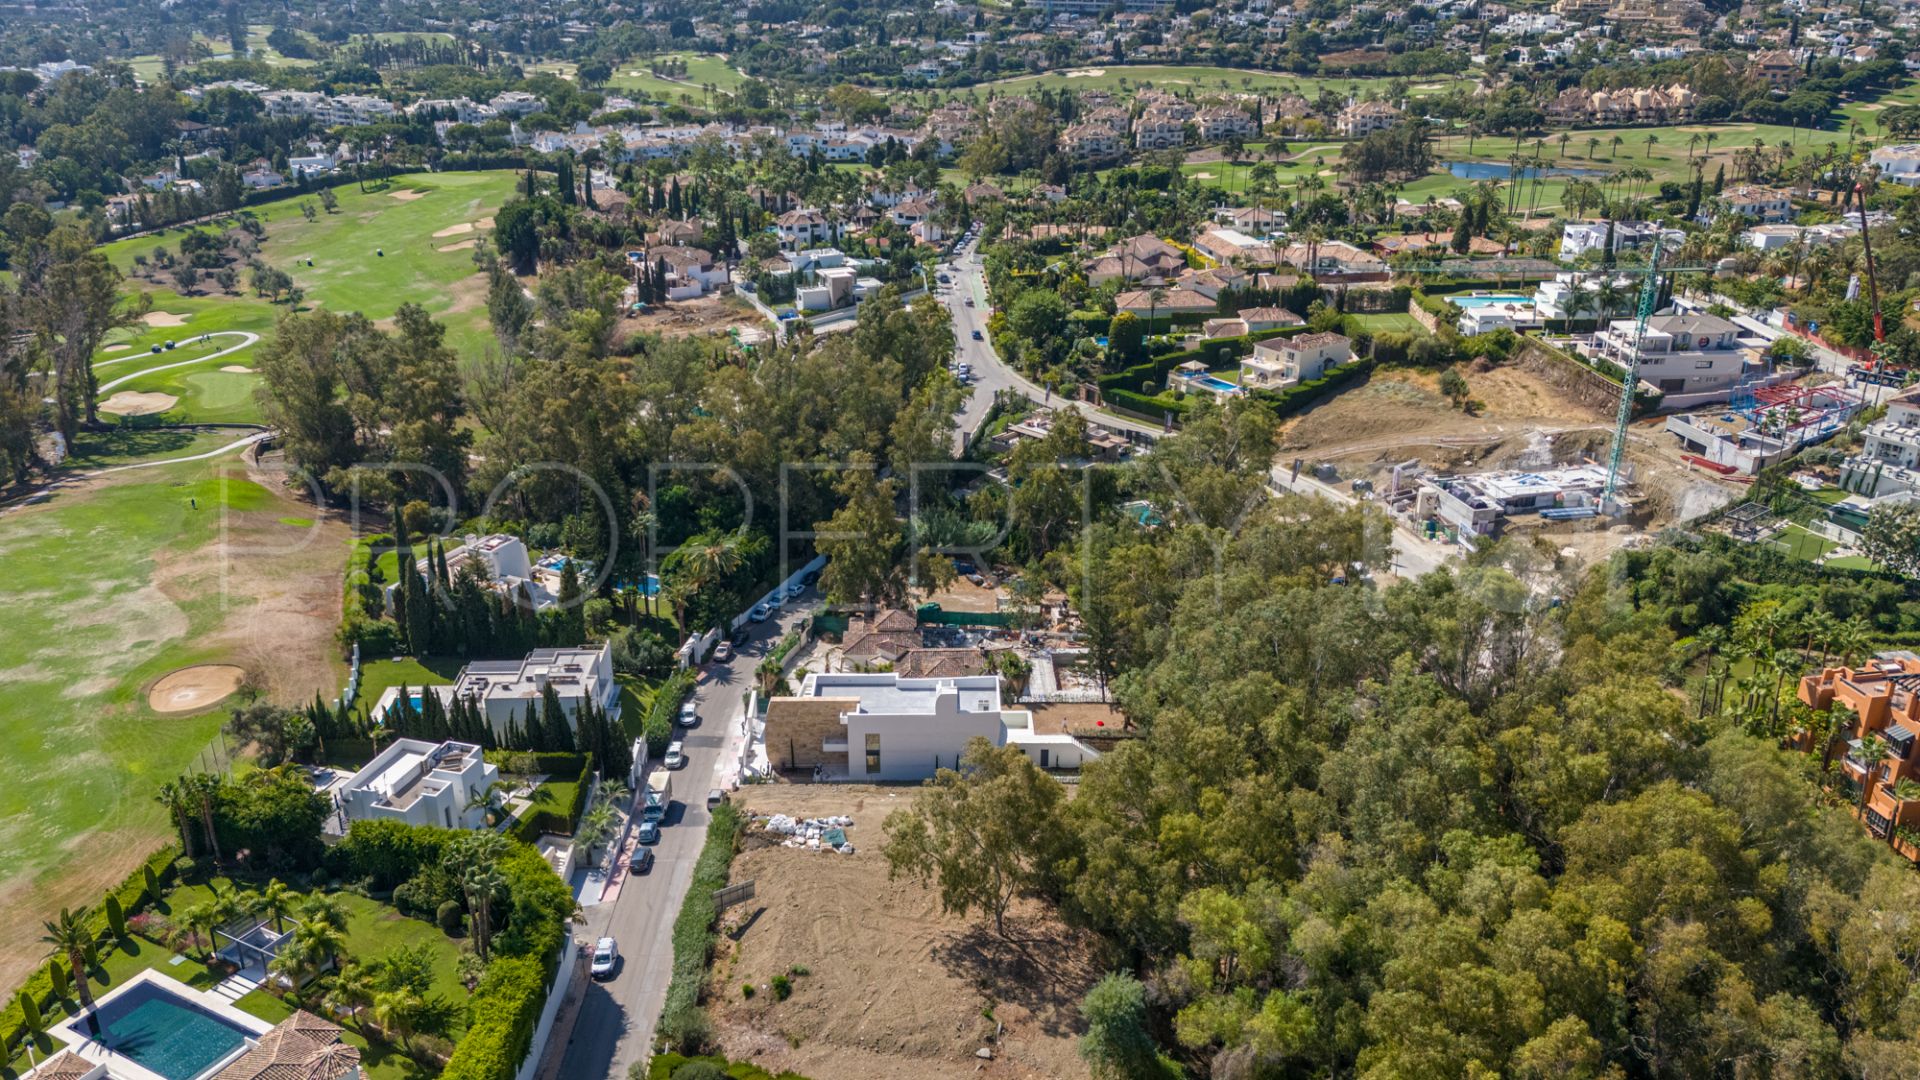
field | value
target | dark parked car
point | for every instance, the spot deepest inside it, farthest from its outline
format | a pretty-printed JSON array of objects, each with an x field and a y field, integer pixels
[{"x": 642, "y": 860}]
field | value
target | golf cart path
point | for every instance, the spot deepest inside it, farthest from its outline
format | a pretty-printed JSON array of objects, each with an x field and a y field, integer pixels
[
  {"x": 227, "y": 449},
  {"x": 250, "y": 339}
]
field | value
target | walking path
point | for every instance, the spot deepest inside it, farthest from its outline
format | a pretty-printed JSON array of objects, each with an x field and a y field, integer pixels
[
  {"x": 257, "y": 436},
  {"x": 250, "y": 337}
]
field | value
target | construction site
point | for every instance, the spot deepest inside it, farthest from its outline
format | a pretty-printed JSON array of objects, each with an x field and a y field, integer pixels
[{"x": 1759, "y": 427}]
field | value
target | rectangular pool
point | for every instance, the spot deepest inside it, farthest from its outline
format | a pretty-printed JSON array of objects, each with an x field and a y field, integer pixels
[
  {"x": 1488, "y": 301},
  {"x": 161, "y": 1031},
  {"x": 1218, "y": 386}
]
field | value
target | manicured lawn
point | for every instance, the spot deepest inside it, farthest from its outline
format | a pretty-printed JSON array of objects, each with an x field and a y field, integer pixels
[
  {"x": 636, "y": 698},
  {"x": 1398, "y": 322},
  {"x": 1802, "y": 544},
  {"x": 377, "y": 252},
  {"x": 106, "y": 589},
  {"x": 633, "y": 78},
  {"x": 376, "y": 675}
]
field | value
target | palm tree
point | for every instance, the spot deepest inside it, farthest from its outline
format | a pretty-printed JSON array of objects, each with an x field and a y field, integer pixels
[
  {"x": 325, "y": 910},
  {"x": 1872, "y": 752},
  {"x": 1713, "y": 639},
  {"x": 174, "y": 797},
  {"x": 319, "y": 945},
  {"x": 482, "y": 884},
  {"x": 276, "y": 900},
  {"x": 199, "y": 921},
  {"x": 1613, "y": 144},
  {"x": 596, "y": 827},
  {"x": 352, "y": 991},
  {"x": 1565, "y": 138},
  {"x": 1692, "y": 141},
  {"x": 396, "y": 1011},
  {"x": 490, "y": 800},
  {"x": 1648, "y": 144},
  {"x": 1593, "y": 146},
  {"x": 68, "y": 937},
  {"x": 202, "y": 789}
]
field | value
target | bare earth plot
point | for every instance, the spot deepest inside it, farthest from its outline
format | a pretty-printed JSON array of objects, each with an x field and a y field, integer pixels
[{"x": 894, "y": 987}]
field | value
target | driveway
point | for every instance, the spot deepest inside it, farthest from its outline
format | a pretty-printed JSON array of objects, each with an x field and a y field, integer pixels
[{"x": 616, "y": 1017}]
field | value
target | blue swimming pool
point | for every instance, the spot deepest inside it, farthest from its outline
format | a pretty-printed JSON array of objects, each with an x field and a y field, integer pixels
[
  {"x": 1488, "y": 301},
  {"x": 1218, "y": 386},
  {"x": 162, "y": 1031},
  {"x": 1488, "y": 170}
]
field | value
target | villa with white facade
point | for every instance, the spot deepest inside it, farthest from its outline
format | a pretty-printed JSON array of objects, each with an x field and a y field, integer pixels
[
  {"x": 1692, "y": 359},
  {"x": 420, "y": 783},
  {"x": 866, "y": 727},
  {"x": 1889, "y": 459}
]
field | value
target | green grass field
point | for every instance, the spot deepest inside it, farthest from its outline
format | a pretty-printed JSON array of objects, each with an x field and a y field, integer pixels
[
  {"x": 337, "y": 260},
  {"x": 633, "y": 79},
  {"x": 109, "y": 587}
]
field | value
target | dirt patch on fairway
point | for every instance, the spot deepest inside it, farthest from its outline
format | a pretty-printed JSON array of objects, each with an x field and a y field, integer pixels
[
  {"x": 463, "y": 245},
  {"x": 461, "y": 229},
  {"x": 194, "y": 689},
  {"x": 894, "y": 986},
  {"x": 163, "y": 318},
  {"x": 238, "y": 369},
  {"x": 134, "y": 403},
  {"x": 406, "y": 196}
]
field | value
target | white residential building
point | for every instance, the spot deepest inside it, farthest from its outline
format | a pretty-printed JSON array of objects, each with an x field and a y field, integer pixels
[
  {"x": 421, "y": 783},
  {"x": 506, "y": 689},
  {"x": 1889, "y": 459},
  {"x": 804, "y": 228},
  {"x": 1574, "y": 296},
  {"x": 1900, "y": 164},
  {"x": 1579, "y": 237},
  {"x": 1366, "y": 117},
  {"x": 1278, "y": 363},
  {"x": 1765, "y": 203},
  {"x": 1692, "y": 359},
  {"x": 866, "y": 727}
]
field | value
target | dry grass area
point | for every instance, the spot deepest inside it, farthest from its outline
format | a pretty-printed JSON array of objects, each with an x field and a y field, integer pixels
[
  {"x": 895, "y": 988},
  {"x": 685, "y": 318}
]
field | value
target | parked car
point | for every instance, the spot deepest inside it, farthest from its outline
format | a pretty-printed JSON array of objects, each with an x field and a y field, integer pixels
[
  {"x": 649, "y": 832},
  {"x": 977, "y": 337},
  {"x": 689, "y": 716},
  {"x": 642, "y": 861},
  {"x": 795, "y": 590},
  {"x": 759, "y": 613},
  {"x": 606, "y": 955},
  {"x": 810, "y": 578},
  {"x": 715, "y": 796},
  {"x": 676, "y": 755},
  {"x": 723, "y": 652},
  {"x": 969, "y": 301}
]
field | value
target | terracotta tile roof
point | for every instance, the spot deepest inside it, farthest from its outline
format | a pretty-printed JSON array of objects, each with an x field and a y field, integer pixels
[
  {"x": 66, "y": 1065},
  {"x": 301, "y": 1047}
]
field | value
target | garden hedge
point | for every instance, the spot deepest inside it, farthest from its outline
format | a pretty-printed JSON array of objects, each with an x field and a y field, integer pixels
[
  {"x": 545, "y": 820},
  {"x": 693, "y": 928},
  {"x": 132, "y": 897},
  {"x": 664, "y": 1066},
  {"x": 506, "y": 1005},
  {"x": 658, "y": 727},
  {"x": 550, "y": 762}
]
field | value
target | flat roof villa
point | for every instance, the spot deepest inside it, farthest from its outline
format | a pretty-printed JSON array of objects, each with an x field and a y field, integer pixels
[
  {"x": 420, "y": 783},
  {"x": 506, "y": 689},
  {"x": 886, "y": 727},
  {"x": 157, "y": 1028}
]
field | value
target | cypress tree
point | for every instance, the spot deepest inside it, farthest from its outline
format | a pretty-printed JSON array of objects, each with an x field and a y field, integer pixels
[
  {"x": 558, "y": 733},
  {"x": 402, "y": 562}
]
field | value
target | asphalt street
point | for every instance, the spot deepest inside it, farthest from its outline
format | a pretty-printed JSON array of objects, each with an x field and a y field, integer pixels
[{"x": 616, "y": 1018}]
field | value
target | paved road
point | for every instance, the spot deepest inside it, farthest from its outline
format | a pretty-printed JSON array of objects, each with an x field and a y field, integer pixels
[
  {"x": 249, "y": 339},
  {"x": 616, "y": 1018},
  {"x": 1413, "y": 555},
  {"x": 990, "y": 373}
]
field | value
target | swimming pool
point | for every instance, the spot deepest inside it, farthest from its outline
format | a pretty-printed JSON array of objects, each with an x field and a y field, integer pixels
[
  {"x": 1488, "y": 301},
  {"x": 1217, "y": 385},
  {"x": 162, "y": 1031}
]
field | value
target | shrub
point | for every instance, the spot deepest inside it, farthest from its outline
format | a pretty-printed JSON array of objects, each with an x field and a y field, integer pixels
[
  {"x": 700, "y": 1070},
  {"x": 693, "y": 932},
  {"x": 686, "y": 1028},
  {"x": 450, "y": 917},
  {"x": 116, "y": 916},
  {"x": 658, "y": 728},
  {"x": 799, "y": 969},
  {"x": 782, "y": 988},
  {"x": 746, "y": 991}
]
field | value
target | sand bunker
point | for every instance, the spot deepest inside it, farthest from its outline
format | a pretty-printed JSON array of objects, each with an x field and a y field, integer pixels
[
  {"x": 163, "y": 318},
  {"x": 1203, "y": 176},
  {"x": 122, "y": 347},
  {"x": 484, "y": 223},
  {"x": 238, "y": 369},
  {"x": 461, "y": 246},
  {"x": 408, "y": 195},
  {"x": 461, "y": 229},
  {"x": 1086, "y": 73},
  {"x": 131, "y": 403},
  {"x": 194, "y": 689}
]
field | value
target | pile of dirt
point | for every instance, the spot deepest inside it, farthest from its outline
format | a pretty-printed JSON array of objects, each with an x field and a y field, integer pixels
[{"x": 893, "y": 986}]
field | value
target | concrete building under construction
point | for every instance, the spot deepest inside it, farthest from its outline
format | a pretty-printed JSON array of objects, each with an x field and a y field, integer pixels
[{"x": 1479, "y": 504}]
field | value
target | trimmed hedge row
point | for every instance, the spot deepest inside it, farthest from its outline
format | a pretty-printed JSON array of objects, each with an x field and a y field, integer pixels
[
  {"x": 693, "y": 928},
  {"x": 667, "y": 699},
  {"x": 132, "y": 897},
  {"x": 1157, "y": 369},
  {"x": 506, "y": 1005},
  {"x": 546, "y": 820},
  {"x": 551, "y": 762},
  {"x": 1297, "y": 397}
]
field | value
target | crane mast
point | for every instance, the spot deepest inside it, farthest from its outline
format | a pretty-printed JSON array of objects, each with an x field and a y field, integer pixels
[{"x": 1649, "y": 295}]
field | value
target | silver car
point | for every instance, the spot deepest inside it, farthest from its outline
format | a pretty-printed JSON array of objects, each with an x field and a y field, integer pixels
[{"x": 606, "y": 956}]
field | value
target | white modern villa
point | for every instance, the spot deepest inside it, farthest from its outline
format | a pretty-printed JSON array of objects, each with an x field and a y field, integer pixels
[
  {"x": 502, "y": 561},
  {"x": 506, "y": 689},
  {"x": 885, "y": 727},
  {"x": 420, "y": 783}
]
